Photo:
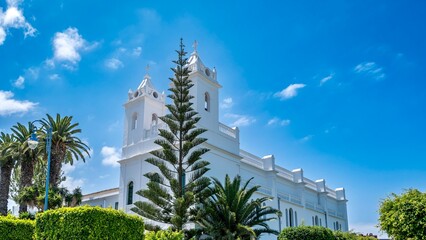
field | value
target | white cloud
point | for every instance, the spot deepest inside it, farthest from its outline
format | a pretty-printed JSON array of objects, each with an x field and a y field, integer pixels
[
  {"x": 68, "y": 168},
  {"x": 370, "y": 69},
  {"x": 306, "y": 138},
  {"x": 13, "y": 17},
  {"x": 110, "y": 156},
  {"x": 67, "y": 45},
  {"x": 290, "y": 91},
  {"x": 9, "y": 106},
  {"x": 226, "y": 103},
  {"x": 54, "y": 77},
  {"x": 19, "y": 82},
  {"x": 240, "y": 120},
  {"x": 67, "y": 48},
  {"x": 32, "y": 73},
  {"x": 113, "y": 63},
  {"x": 326, "y": 79},
  {"x": 137, "y": 51},
  {"x": 71, "y": 183},
  {"x": 277, "y": 121},
  {"x": 2, "y": 35}
]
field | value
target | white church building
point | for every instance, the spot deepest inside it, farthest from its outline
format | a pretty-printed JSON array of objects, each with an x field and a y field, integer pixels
[{"x": 301, "y": 200}]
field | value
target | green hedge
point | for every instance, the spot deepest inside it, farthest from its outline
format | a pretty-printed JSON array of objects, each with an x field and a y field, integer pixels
[
  {"x": 318, "y": 233},
  {"x": 88, "y": 223},
  {"x": 16, "y": 229},
  {"x": 350, "y": 236},
  {"x": 164, "y": 235},
  {"x": 306, "y": 232}
]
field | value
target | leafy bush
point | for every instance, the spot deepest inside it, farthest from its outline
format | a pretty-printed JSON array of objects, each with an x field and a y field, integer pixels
[
  {"x": 26, "y": 215},
  {"x": 164, "y": 235},
  {"x": 404, "y": 216},
  {"x": 350, "y": 236},
  {"x": 88, "y": 223},
  {"x": 12, "y": 228},
  {"x": 306, "y": 232}
]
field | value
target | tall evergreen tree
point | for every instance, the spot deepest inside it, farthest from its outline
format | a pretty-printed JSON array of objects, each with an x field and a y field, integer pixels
[{"x": 175, "y": 191}]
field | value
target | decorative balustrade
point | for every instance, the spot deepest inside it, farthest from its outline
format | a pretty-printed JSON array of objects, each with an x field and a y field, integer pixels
[
  {"x": 331, "y": 212},
  {"x": 231, "y": 132}
]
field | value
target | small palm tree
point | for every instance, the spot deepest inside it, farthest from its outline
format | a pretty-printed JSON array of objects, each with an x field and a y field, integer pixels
[
  {"x": 66, "y": 146},
  {"x": 232, "y": 213},
  {"x": 6, "y": 165},
  {"x": 27, "y": 158}
]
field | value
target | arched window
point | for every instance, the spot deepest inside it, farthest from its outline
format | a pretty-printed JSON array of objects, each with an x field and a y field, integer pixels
[
  {"x": 320, "y": 222},
  {"x": 313, "y": 221},
  {"x": 286, "y": 217},
  {"x": 154, "y": 120},
  {"x": 207, "y": 101},
  {"x": 295, "y": 218},
  {"x": 316, "y": 220},
  {"x": 134, "y": 121},
  {"x": 290, "y": 216},
  {"x": 130, "y": 193}
]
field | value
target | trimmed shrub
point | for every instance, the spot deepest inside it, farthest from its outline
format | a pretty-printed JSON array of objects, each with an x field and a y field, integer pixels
[
  {"x": 12, "y": 228},
  {"x": 164, "y": 235},
  {"x": 88, "y": 223},
  {"x": 350, "y": 236},
  {"x": 306, "y": 232}
]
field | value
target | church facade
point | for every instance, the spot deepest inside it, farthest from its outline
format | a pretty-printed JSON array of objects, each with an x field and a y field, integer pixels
[{"x": 301, "y": 200}]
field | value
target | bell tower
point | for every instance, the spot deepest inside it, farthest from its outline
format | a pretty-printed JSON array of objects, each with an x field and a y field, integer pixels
[
  {"x": 205, "y": 91},
  {"x": 142, "y": 109}
]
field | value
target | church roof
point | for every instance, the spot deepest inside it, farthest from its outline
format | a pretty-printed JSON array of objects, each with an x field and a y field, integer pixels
[{"x": 146, "y": 82}]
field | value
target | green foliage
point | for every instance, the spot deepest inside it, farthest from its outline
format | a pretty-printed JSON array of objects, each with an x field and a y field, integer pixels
[
  {"x": 404, "y": 216},
  {"x": 26, "y": 215},
  {"x": 164, "y": 235},
  {"x": 87, "y": 223},
  {"x": 230, "y": 212},
  {"x": 179, "y": 185},
  {"x": 306, "y": 232},
  {"x": 66, "y": 146},
  {"x": 339, "y": 235},
  {"x": 7, "y": 161},
  {"x": 16, "y": 229}
]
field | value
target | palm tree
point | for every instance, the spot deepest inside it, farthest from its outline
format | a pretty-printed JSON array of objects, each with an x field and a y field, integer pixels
[
  {"x": 230, "y": 212},
  {"x": 6, "y": 166},
  {"x": 66, "y": 147},
  {"x": 27, "y": 157}
]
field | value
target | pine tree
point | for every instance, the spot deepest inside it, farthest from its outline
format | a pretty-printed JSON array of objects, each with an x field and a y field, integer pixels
[{"x": 175, "y": 192}]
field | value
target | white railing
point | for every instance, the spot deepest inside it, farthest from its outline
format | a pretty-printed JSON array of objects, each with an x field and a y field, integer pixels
[
  {"x": 295, "y": 199},
  {"x": 231, "y": 132},
  {"x": 310, "y": 184},
  {"x": 284, "y": 173},
  {"x": 331, "y": 212},
  {"x": 284, "y": 196},
  {"x": 251, "y": 159}
]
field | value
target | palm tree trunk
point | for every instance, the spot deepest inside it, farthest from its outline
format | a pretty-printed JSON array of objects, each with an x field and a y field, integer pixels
[
  {"x": 57, "y": 157},
  {"x": 27, "y": 174},
  {"x": 6, "y": 172}
]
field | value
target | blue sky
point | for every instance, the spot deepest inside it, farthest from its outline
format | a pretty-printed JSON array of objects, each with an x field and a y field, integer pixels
[{"x": 334, "y": 87}]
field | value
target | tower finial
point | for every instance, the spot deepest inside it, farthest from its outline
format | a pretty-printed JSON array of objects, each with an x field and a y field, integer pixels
[
  {"x": 195, "y": 45},
  {"x": 147, "y": 71}
]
